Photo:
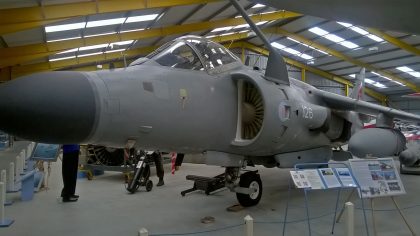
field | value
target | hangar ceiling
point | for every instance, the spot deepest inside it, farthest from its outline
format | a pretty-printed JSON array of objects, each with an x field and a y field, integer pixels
[{"x": 44, "y": 35}]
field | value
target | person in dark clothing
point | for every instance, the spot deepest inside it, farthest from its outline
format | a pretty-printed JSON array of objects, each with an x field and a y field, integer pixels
[
  {"x": 160, "y": 172},
  {"x": 69, "y": 172},
  {"x": 179, "y": 160}
]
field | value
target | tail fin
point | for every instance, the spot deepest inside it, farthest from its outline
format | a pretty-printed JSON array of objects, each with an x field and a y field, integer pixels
[{"x": 358, "y": 90}]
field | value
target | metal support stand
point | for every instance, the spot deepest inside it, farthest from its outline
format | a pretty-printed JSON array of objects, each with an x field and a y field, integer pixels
[
  {"x": 403, "y": 217},
  {"x": 305, "y": 190}
]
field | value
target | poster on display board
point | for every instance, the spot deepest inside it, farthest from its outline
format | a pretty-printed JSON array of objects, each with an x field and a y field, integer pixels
[
  {"x": 323, "y": 178},
  {"x": 377, "y": 177}
]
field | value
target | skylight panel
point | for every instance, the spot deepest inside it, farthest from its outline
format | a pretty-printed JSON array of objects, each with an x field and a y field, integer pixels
[
  {"x": 349, "y": 44},
  {"x": 65, "y": 27},
  {"x": 375, "y": 38},
  {"x": 409, "y": 71},
  {"x": 291, "y": 51},
  {"x": 61, "y": 58},
  {"x": 318, "y": 31},
  {"x": 353, "y": 75},
  {"x": 132, "y": 19},
  {"x": 63, "y": 39},
  {"x": 261, "y": 22},
  {"x": 93, "y": 47},
  {"x": 258, "y": 5},
  {"x": 344, "y": 24},
  {"x": 361, "y": 31},
  {"x": 306, "y": 45},
  {"x": 377, "y": 74},
  {"x": 89, "y": 54},
  {"x": 98, "y": 23},
  {"x": 222, "y": 29},
  {"x": 334, "y": 38}
]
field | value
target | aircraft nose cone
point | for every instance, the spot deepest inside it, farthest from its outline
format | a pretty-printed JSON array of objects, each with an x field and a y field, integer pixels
[{"x": 53, "y": 107}]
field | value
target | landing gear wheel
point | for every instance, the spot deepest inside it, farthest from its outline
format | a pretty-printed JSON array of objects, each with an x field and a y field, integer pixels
[
  {"x": 250, "y": 180},
  {"x": 149, "y": 185},
  {"x": 135, "y": 187}
]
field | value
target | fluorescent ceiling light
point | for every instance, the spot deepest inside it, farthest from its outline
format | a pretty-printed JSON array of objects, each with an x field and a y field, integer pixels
[
  {"x": 89, "y": 54},
  {"x": 57, "y": 28},
  {"x": 258, "y": 5},
  {"x": 97, "y": 23},
  {"x": 123, "y": 42},
  {"x": 376, "y": 84},
  {"x": 94, "y": 35},
  {"x": 116, "y": 50},
  {"x": 334, "y": 38},
  {"x": 141, "y": 18},
  {"x": 132, "y": 30},
  {"x": 241, "y": 26},
  {"x": 261, "y": 22},
  {"x": 62, "y": 58},
  {"x": 222, "y": 29},
  {"x": 67, "y": 51},
  {"x": 93, "y": 47},
  {"x": 64, "y": 39},
  {"x": 277, "y": 45}
]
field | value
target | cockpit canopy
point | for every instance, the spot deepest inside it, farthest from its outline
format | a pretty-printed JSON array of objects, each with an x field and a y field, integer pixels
[{"x": 192, "y": 53}]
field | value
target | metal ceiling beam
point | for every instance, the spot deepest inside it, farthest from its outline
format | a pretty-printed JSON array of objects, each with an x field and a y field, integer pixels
[
  {"x": 17, "y": 19},
  {"x": 336, "y": 78},
  {"x": 342, "y": 56},
  {"x": 17, "y": 55},
  {"x": 397, "y": 42}
]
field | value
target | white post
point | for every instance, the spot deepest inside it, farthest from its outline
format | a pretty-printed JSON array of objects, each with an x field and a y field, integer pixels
[
  {"x": 23, "y": 156},
  {"x": 17, "y": 167},
  {"x": 249, "y": 226},
  {"x": 11, "y": 178},
  {"x": 4, "y": 181},
  {"x": 143, "y": 232},
  {"x": 2, "y": 200},
  {"x": 350, "y": 219}
]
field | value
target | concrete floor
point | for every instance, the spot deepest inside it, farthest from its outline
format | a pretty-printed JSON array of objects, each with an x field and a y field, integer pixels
[{"x": 105, "y": 208}]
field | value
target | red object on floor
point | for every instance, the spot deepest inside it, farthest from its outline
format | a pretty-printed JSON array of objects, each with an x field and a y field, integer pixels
[{"x": 173, "y": 159}]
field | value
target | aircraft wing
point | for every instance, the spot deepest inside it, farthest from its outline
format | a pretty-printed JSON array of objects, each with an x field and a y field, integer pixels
[
  {"x": 339, "y": 102},
  {"x": 394, "y": 15}
]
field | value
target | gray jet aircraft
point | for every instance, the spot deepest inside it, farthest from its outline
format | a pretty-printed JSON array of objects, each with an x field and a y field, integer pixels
[{"x": 194, "y": 95}]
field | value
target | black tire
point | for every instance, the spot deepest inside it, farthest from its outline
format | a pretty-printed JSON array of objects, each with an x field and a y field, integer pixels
[
  {"x": 149, "y": 185},
  {"x": 250, "y": 180},
  {"x": 134, "y": 188}
]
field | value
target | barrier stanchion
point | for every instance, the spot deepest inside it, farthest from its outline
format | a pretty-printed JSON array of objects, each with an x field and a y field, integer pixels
[
  {"x": 11, "y": 179},
  {"x": 3, "y": 221},
  {"x": 249, "y": 225},
  {"x": 350, "y": 219},
  {"x": 143, "y": 232}
]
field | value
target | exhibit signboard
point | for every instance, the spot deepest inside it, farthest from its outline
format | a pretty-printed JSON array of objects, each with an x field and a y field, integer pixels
[
  {"x": 377, "y": 177},
  {"x": 323, "y": 178}
]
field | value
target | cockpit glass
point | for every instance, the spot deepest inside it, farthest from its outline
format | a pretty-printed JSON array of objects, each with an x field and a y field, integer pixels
[
  {"x": 213, "y": 54},
  {"x": 177, "y": 55}
]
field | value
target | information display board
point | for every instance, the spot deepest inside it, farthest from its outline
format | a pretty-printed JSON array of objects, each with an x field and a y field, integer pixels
[
  {"x": 323, "y": 178},
  {"x": 45, "y": 152},
  {"x": 377, "y": 177}
]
